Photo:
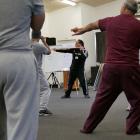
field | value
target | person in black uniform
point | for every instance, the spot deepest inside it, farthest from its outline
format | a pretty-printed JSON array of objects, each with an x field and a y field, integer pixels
[{"x": 77, "y": 67}]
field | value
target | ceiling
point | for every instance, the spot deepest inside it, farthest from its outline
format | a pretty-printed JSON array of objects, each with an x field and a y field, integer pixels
[{"x": 52, "y": 5}]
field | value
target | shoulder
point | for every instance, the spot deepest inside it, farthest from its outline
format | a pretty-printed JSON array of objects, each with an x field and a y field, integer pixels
[
  {"x": 103, "y": 23},
  {"x": 107, "y": 19}
]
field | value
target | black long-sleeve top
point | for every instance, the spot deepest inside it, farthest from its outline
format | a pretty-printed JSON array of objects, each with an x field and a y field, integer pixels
[{"x": 78, "y": 57}]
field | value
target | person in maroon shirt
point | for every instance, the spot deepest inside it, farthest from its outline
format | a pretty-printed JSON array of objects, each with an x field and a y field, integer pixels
[{"x": 121, "y": 70}]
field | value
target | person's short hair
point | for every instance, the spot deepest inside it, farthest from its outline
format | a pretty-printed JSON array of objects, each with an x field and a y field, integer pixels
[
  {"x": 36, "y": 34},
  {"x": 131, "y": 5},
  {"x": 80, "y": 42}
]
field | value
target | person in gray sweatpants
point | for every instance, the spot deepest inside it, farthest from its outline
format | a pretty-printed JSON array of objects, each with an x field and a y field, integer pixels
[
  {"x": 45, "y": 91},
  {"x": 19, "y": 79}
]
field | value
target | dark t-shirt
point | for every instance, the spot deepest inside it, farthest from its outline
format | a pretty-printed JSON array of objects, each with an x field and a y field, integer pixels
[
  {"x": 78, "y": 60},
  {"x": 122, "y": 39}
]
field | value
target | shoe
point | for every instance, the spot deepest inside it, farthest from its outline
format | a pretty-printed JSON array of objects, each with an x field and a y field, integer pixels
[
  {"x": 85, "y": 131},
  {"x": 133, "y": 133},
  {"x": 45, "y": 112},
  {"x": 65, "y": 97},
  {"x": 87, "y": 96}
]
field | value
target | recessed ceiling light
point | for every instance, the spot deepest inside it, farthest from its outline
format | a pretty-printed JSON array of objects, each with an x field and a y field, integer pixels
[{"x": 72, "y": 3}]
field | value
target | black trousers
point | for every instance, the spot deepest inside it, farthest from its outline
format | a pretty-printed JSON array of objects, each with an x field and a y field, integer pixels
[{"x": 72, "y": 77}]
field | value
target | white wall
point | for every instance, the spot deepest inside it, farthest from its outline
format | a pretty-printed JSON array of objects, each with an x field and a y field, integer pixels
[
  {"x": 109, "y": 9},
  {"x": 61, "y": 21},
  {"x": 88, "y": 14}
]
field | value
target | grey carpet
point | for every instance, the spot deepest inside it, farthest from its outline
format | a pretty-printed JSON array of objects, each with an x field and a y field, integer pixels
[{"x": 70, "y": 114}]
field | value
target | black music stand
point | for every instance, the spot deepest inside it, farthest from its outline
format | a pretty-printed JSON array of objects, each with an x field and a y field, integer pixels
[{"x": 55, "y": 81}]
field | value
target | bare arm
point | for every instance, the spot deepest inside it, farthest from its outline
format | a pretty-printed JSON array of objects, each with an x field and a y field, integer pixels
[
  {"x": 45, "y": 44},
  {"x": 37, "y": 22},
  {"x": 87, "y": 28}
]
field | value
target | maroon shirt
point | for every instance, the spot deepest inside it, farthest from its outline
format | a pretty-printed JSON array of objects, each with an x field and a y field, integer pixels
[{"x": 122, "y": 38}]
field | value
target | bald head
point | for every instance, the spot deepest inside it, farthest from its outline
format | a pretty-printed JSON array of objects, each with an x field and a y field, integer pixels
[{"x": 131, "y": 5}]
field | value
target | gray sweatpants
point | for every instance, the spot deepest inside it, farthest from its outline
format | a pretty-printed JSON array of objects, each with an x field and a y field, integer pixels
[
  {"x": 45, "y": 90},
  {"x": 19, "y": 95}
]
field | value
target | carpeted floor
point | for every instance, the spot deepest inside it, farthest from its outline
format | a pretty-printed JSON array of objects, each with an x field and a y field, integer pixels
[{"x": 69, "y": 115}]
